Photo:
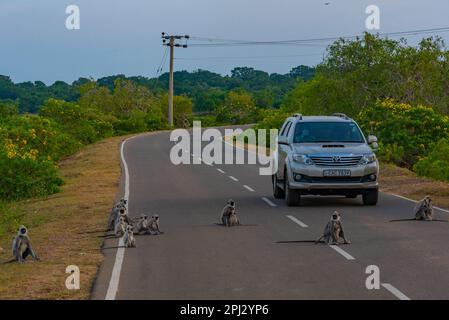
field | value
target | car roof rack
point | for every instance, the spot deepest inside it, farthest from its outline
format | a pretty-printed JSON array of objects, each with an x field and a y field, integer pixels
[
  {"x": 341, "y": 115},
  {"x": 298, "y": 115}
]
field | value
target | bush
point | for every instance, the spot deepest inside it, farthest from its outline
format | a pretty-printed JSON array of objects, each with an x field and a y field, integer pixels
[
  {"x": 406, "y": 133},
  {"x": 436, "y": 165},
  {"x": 136, "y": 122},
  {"x": 25, "y": 176},
  {"x": 84, "y": 124},
  {"x": 238, "y": 108}
]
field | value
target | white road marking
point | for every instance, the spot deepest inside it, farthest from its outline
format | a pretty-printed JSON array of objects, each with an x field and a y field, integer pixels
[
  {"x": 116, "y": 270},
  {"x": 297, "y": 221},
  {"x": 221, "y": 171},
  {"x": 398, "y": 294},
  {"x": 405, "y": 198},
  {"x": 270, "y": 203},
  {"x": 248, "y": 188},
  {"x": 342, "y": 252},
  {"x": 233, "y": 178}
]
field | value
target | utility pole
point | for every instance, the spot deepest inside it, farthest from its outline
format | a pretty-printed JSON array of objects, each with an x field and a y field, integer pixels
[{"x": 172, "y": 44}]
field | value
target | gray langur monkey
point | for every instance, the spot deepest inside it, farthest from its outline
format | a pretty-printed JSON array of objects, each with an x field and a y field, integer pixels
[
  {"x": 120, "y": 227},
  {"x": 123, "y": 213},
  {"x": 128, "y": 237},
  {"x": 424, "y": 209},
  {"x": 227, "y": 211},
  {"x": 21, "y": 246},
  {"x": 333, "y": 232},
  {"x": 142, "y": 224},
  {"x": 115, "y": 213},
  {"x": 233, "y": 220},
  {"x": 153, "y": 225}
]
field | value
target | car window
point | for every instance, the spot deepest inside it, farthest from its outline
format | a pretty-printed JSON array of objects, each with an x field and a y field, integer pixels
[
  {"x": 287, "y": 130},
  {"x": 327, "y": 132},
  {"x": 283, "y": 128}
]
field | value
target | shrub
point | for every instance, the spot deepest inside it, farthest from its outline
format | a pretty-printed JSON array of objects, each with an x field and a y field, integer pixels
[
  {"x": 407, "y": 133},
  {"x": 436, "y": 164},
  {"x": 24, "y": 175}
]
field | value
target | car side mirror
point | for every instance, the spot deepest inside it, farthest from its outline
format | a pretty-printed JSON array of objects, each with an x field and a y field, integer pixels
[
  {"x": 283, "y": 140},
  {"x": 372, "y": 139}
]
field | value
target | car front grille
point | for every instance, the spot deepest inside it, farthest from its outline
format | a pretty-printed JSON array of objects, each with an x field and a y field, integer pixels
[
  {"x": 336, "y": 161},
  {"x": 309, "y": 179}
]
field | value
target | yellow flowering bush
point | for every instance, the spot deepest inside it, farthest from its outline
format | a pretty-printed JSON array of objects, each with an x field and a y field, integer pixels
[{"x": 406, "y": 133}]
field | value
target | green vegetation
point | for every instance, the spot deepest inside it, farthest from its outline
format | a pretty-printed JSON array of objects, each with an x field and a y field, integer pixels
[
  {"x": 206, "y": 89},
  {"x": 32, "y": 144},
  {"x": 436, "y": 165}
]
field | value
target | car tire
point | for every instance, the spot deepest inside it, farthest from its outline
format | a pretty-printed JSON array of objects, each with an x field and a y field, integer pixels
[
  {"x": 278, "y": 193},
  {"x": 370, "y": 197},
  {"x": 292, "y": 197}
]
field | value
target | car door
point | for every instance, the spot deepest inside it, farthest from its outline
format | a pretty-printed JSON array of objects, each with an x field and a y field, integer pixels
[{"x": 283, "y": 149}]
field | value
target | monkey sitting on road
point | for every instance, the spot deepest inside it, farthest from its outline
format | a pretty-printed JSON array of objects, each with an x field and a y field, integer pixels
[
  {"x": 21, "y": 246},
  {"x": 142, "y": 224},
  {"x": 115, "y": 212},
  {"x": 153, "y": 225},
  {"x": 128, "y": 238},
  {"x": 424, "y": 209},
  {"x": 120, "y": 227},
  {"x": 124, "y": 214},
  {"x": 333, "y": 232},
  {"x": 233, "y": 220},
  {"x": 226, "y": 212}
]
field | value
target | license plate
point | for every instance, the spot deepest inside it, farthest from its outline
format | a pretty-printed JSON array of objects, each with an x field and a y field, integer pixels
[{"x": 337, "y": 173}]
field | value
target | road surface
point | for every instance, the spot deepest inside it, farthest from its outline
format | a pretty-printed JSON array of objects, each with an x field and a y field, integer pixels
[{"x": 197, "y": 259}]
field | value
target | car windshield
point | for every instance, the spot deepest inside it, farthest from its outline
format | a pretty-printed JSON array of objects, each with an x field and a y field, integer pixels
[{"x": 327, "y": 132}]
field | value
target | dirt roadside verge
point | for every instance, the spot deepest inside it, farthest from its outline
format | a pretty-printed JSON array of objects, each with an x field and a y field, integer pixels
[{"x": 58, "y": 226}]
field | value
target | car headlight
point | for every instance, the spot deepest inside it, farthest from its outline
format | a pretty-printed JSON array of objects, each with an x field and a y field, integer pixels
[
  {"x": 302, "y": 158},
  {"x": 367, "y": 158}
]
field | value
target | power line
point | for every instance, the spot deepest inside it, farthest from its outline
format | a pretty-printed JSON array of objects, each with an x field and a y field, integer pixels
[
  {"x": 311, "y": 41},
  {"x": 251, "y": 57}
]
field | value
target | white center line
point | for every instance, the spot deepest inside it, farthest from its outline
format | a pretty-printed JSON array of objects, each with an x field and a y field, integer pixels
[
  {"x": 221, "y": 171},
  {"x": 270, "y": 203},
  {"x": 342, "y": 252},
  {"x": 297, "y": 221},
  {"x": 248, "y": 188},
  {"x": 395, "y": 291},
  {"x": 233, "y": 178}
]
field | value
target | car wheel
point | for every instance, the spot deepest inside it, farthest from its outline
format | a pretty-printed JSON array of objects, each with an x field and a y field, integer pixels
[
  {"x": 292, "y": 197},
  {"x": 278, "y": 193},
  {"x": 370, "y": 197}
]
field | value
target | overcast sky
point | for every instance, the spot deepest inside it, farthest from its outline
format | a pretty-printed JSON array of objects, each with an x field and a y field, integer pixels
[{"x": 123, "y": 36}]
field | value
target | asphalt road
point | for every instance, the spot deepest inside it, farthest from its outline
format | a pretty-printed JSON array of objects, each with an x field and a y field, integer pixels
[{"x": 197, "y": 259}]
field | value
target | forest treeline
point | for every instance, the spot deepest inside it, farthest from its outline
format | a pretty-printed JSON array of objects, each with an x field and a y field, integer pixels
[{"x": 206, "y": 89}]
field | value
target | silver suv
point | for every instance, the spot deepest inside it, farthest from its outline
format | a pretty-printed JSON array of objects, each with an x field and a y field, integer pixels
[{"x": 325, "y": 155}]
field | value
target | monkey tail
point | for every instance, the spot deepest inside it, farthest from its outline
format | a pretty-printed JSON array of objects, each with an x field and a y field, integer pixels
[
  {"x": 9, "y": 261},
  {"x": 397, "y": 220}
]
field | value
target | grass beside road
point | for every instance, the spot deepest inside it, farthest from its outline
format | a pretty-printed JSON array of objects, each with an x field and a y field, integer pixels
[{"x": 58, "y": 225}]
